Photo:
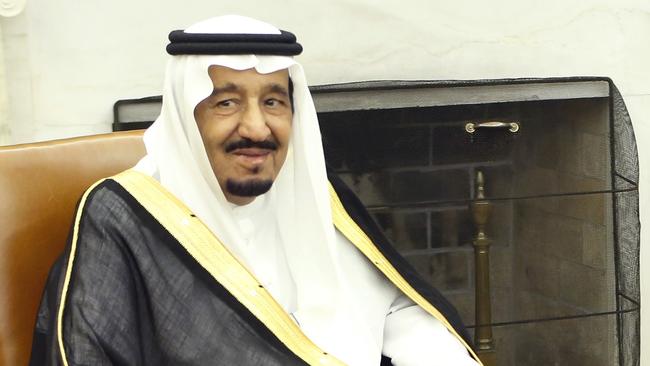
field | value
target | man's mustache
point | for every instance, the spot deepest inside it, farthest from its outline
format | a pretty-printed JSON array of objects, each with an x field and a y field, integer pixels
[{"x": 247, "y": 143}]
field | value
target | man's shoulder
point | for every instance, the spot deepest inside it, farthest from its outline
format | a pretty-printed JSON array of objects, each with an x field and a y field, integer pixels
[
  {"x": 110, "y": 223},
  {"x": 352, "y": 204},
  {"x": 105, "y": 194},
  {"x": 108, "y": 203}
]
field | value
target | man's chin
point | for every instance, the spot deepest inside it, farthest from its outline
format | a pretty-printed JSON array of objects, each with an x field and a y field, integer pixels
[{"x": 248, "y": 187}]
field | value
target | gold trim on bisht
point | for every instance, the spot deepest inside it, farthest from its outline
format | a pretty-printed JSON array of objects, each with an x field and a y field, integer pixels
[
  {"x": 358, "y": 237},
  {"x": 212, "y": 255},
  {"x": 68, "y": 273}
]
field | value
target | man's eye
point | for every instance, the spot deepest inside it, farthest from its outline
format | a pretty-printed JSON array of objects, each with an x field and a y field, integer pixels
[
  {"x": 273, "y": 102},
  {"x": 225, "y": 103}
]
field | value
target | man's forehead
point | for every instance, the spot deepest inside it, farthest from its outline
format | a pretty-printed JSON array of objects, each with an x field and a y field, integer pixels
[{"x": 221, "y": 75}]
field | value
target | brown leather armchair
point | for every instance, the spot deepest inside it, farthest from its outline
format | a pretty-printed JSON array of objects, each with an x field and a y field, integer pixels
[{"x": 40, "y": 184}]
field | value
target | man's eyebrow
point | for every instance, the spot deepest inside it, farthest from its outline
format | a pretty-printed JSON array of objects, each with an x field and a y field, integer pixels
[
  {"x": 277, "y": 88},
  {"x": 227, "y": 88}
]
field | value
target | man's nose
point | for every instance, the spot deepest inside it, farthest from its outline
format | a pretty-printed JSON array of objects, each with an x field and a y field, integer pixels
[{"x": 253, "y": 124}]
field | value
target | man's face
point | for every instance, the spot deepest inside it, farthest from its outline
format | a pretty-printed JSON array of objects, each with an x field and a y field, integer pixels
[{"x": 245, "y": 125}]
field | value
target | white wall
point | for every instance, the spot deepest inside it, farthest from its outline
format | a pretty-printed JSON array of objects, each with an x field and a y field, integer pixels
[
  {"x": 4, "y": 111},
  {"x": 68, "y": 61}
]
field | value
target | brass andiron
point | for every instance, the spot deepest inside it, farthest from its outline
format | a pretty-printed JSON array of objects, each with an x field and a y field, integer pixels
[{"x": 483, "y": 331}]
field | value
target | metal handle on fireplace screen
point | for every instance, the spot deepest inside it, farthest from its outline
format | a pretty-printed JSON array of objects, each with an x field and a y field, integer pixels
[{"x": 471, "y": 127}]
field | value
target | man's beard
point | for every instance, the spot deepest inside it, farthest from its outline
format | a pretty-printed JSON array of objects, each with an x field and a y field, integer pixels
[
  {"x": 252, "y": 187},
  {"x": 248, "y": 188}
]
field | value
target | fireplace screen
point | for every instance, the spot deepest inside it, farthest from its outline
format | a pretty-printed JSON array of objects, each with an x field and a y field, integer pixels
[
  {"x": 516, "y": 198},
  {"x": 541, "y": 182}
]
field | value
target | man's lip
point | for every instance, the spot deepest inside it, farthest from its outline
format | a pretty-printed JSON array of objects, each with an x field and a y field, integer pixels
[{"x": 251, "y": 151}]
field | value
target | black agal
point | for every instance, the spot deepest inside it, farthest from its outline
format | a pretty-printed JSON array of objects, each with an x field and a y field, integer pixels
[{"x": 283, "y": 44}]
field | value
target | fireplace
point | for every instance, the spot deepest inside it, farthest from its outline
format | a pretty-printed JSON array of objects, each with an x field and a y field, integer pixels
[{"x": 516, "y": 198}]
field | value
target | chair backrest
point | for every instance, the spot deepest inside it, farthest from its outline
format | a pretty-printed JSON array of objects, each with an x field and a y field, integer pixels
[{"x": 40, "y": 185}]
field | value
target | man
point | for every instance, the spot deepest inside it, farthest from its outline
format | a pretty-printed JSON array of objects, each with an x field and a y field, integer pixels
[{"x": 226, "y": 245}]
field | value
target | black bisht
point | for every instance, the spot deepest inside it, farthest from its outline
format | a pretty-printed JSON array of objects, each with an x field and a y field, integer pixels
[{"x": 152, "y": 304}]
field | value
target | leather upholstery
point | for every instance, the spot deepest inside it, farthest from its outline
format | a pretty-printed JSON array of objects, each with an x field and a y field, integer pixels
[{"x": 40, "y": 185}]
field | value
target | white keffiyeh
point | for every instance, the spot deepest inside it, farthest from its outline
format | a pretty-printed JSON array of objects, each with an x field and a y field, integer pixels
[{"x": 285, "y": 237}]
